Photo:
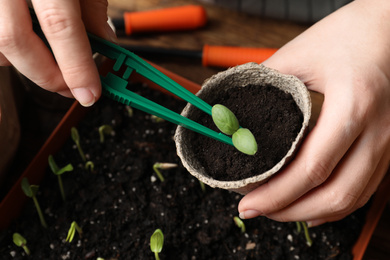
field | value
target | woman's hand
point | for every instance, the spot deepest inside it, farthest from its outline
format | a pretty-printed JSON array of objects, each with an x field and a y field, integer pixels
[
  {"x": 346, "y": 57},
  {"x": 72, "y": 71}
]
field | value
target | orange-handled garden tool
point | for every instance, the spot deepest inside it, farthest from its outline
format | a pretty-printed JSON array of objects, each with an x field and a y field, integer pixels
[
  {"x": 186, "y": 17},
  {"x": 225, "y": 56},
  {"x": 213, "y": 56}
]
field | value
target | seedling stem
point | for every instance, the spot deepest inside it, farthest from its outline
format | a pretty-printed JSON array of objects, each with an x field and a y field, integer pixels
[
  {"x": 90, "y": 166},
  {"x": 202, "y": 186},
  {"x": 76, "y": 139},
  {"x": 163, "y": 166},
  {"x": 31, "y": 191},
  {"x": 57, "y": 171},
  {"x": 303, "y": 224},
  {"x": 72, "y": 230},
  {"x": 104, "y": 130}
]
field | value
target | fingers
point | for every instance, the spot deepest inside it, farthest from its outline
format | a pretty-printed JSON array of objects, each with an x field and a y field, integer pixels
[
  {"x": 372, "y": 186},
  {"x": 94, "y": 14},
  {"x": 20, "y": 46},
  {"x": 323, "y": 148},
  {"x": 350, "y": 186},
  {"x": 63, "y": 27}
]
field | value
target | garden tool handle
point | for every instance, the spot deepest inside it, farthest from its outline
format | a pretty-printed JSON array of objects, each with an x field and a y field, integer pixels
[
  {"x": 229, "y": 56},
  {"x": 186, "y": 17}
]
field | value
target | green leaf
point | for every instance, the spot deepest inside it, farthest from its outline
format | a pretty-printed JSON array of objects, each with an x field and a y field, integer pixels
[
  {"x": 244, "y": 141},
  {"x": 19, "y": 240},
  {"x": 53, "y": 166},
  {"x": 34, "y": 189},
  {"x": 27, "y": 188},
  {"x": 224, "y": 119},
  {"x": 55, "y": 169},
  {"x": 157, "y": 241},
  {"x": 72, "y": 231},
  {"x": 67, "y": 168}
]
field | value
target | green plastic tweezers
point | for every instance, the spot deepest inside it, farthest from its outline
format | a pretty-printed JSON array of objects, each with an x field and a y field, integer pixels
[{"x": 115, "y": 86}]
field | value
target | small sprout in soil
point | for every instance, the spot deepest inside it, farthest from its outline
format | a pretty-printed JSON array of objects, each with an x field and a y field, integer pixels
[
  {"x": 309, "y": 242},
  {"x": 157, "y": 119},
  {"x": 76, "y": 138},
  {"x": 89, "y": 166},
  {"x": 202, "y": 186},
  {"x": 20, "y": 241},
  {"x": 157, "y": 242},
  {"x": 57, "y": 171},
  {"x": 31, "y": 191},
  {"x": 130, "y": 111},
  {"x": 162, "y": 166},
  {"x": 239, "y": 223},
  {"x": 104, "y": 130},
  {"x": 72, "y": 230},
  {"x": 227, "y": 123}
]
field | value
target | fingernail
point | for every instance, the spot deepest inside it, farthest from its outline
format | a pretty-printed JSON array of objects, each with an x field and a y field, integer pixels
[
  {"x": 84, "y": 96},
  {"x": 110, "y": 34},
  {"x": 314, "y": 223},
  {"x": 249, "y": 214}
]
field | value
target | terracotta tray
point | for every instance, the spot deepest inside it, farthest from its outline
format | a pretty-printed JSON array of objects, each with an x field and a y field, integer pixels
[{"x": 12, "y": 204}]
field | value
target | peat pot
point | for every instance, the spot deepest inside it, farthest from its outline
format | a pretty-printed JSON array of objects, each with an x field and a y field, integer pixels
[{"x": 230, "y": 86}]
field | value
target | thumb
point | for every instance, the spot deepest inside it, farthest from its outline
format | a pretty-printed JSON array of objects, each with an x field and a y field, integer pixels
[{"x": 285, "y": 60}]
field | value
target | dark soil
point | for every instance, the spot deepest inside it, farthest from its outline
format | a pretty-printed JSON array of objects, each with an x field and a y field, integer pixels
[
  {"x": 269, "y": 113},
  {"x": 122, "y": 202}
]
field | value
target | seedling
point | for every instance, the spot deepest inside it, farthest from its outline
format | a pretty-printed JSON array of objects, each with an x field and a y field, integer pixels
[
  {"x": 72, "y": 230},
  {"x": 309, "y": 242},
  {"x": 157, "y": 119},
  {"x": 202, "y": 186},
  {"x": 57, "y": 171},
  {"x": 31, "y": 191},
  {"x": 76, "y": 138},
  {"x": 130, "y": 111},
  {"x": 239, "y": 223},
  {"x": 20, "y": 241},
  {"x": 162, "y": 166},
  {"x": 89, "y": 166},
  {"x": 104, "y": 130},
  {"x": 157, "y": 242},
  {"x": 227, "y": 123}
]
